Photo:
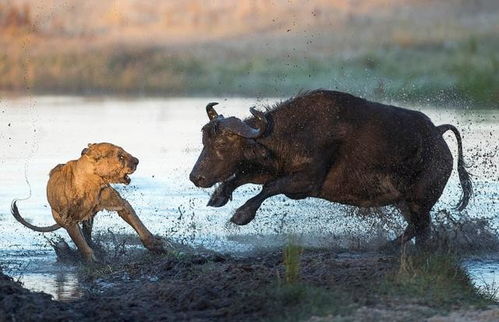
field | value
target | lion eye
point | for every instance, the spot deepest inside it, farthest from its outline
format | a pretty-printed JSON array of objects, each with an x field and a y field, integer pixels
[{"x": 121, "y": 157}]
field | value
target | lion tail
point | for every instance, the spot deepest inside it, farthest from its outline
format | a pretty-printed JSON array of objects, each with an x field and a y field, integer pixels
[{"x": 17, "y": 215}]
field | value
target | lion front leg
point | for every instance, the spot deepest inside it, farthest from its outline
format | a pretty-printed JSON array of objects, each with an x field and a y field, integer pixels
[{"x": 112, "y": 201}]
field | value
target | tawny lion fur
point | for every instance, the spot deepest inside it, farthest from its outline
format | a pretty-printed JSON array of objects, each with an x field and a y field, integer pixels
[{"x": 79, "y": 189}]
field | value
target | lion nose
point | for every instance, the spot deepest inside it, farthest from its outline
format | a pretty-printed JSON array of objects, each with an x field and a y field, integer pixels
[{"x": 135, "y": 161}]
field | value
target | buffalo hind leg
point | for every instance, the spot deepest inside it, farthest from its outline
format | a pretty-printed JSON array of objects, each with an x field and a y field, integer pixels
[
  {"x": 408, "y": 234},
  {"x": 422, "y": 199},
  {"x": 418, "y": 225},
  {"x": 410, "y": 231},
  {"x": 420, "y": 218},
  {"x": 301, "y": 184}
]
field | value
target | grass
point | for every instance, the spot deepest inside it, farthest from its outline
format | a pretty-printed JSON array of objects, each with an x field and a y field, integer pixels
[
  {"x": 291, "y": 261},
  {"x": 435, "y": 280},
  {"x": 462, "y": 74}
]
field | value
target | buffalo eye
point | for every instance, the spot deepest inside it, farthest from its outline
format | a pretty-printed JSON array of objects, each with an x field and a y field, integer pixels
[
  {"x": 121, "y": 157},
  {"x": 220, "y": 144}
]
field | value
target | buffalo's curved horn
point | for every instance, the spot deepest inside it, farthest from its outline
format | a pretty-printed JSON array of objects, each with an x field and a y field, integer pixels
[
  {"x": 212, "y": 114},
  {"x": 261, "y": 117},
  {"x": 241, "y": 128}
]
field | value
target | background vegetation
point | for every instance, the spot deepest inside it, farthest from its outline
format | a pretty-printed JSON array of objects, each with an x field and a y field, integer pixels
[{"x": 424, "y": 52}]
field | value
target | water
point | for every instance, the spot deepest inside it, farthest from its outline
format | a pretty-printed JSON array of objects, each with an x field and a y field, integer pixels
[{"x": 37, "y": 133}]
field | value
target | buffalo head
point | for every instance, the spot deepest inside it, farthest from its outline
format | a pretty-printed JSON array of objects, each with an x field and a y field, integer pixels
[{"x": 227, "y": 144}]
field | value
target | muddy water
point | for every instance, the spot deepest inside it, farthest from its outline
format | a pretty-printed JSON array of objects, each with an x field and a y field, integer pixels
[{"x": 36, "y": 133}]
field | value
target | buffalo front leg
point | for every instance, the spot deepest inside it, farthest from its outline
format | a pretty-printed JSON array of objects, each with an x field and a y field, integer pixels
[
  {"x": 297, "y": 184},
  {"x": 114, "y": 202},
  {"x": 76, "y": 235},
  {"x": 223, "y": 193}
]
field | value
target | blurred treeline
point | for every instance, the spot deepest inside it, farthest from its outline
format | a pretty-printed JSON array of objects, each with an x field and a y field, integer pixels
[{"x": 419, "y": 51}]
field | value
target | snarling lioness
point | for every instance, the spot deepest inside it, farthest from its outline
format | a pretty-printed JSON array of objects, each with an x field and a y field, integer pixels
[{"x": 79, "y": 189}]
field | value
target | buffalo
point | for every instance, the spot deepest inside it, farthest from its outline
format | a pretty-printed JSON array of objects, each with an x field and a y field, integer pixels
[{"x": 334, "y": 146}]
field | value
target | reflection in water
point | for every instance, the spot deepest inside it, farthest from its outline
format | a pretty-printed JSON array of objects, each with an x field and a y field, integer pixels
[
  {"x": 38, "y": 270},
  {"x": 61, "y": 285},
  {"x": 67, "y": 286},
  {"x": 165, "y": 135}
]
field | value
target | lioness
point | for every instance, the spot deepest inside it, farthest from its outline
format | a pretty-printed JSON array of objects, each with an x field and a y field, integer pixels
[{"x": 79, "y": 189}]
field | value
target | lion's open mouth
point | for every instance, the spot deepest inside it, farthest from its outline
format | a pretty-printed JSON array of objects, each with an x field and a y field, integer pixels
[{"x": 126, "y": 178}]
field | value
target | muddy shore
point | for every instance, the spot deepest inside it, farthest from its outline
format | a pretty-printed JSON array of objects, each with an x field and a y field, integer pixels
[{"x": 289, "y": 284}]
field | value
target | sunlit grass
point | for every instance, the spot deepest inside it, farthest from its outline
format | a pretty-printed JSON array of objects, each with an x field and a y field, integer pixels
[
  {"x": 291, "y": 261},
  {"x": 458, "y": 74}
]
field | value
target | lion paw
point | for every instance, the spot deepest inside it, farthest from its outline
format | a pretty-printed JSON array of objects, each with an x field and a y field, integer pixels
[{"x": 155, "y": 245}]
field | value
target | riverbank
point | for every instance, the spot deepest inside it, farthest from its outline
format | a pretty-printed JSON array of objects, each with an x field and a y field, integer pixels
[
  {"x": 432, "y": 53},
  {"x": 456, "y": 74},
  {"x": 290, "y": 284}
]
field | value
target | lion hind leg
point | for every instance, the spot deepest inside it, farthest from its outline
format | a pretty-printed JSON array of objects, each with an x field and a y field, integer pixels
[
  {"x": 86, "y": 228},
  {"x": 76, "y": 235}
]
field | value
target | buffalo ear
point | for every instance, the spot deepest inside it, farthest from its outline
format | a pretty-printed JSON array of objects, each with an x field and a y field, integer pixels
[
  {"x": 255, "y": 150},
  {"x": 84, "y": 151}
]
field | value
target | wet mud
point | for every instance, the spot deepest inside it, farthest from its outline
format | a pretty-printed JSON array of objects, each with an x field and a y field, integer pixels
[{"x": 184, "y": 286}]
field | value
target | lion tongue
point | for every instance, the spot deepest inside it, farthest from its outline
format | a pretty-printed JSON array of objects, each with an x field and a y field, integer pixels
[{"x": 127, "y": 178}]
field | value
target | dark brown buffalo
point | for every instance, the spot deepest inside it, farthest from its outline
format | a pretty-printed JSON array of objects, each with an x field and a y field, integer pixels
[{"x": 334, "y": 146}]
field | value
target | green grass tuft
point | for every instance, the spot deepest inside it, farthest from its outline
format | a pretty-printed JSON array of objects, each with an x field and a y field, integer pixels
[{"x": 436, "y": 280}]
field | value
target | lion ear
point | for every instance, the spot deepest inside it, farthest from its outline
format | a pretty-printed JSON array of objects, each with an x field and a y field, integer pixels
[{"x": 92, "y": 153}]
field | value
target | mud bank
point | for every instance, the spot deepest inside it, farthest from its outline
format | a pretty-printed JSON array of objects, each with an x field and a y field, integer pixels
[{"x": 293, "y": 284}]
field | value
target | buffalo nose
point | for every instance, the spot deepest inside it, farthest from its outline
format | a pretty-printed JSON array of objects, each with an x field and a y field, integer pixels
[
  {"x": 196, "y": 178},
  {"x": 135, "y": 161}
]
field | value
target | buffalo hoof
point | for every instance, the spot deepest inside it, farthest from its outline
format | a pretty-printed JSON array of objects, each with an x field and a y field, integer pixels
[
  {"x": 243, "y": 216},
  {"x": 219, "y": 198}
]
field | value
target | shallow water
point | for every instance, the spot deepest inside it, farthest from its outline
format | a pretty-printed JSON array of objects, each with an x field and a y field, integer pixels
[{"x": 37, "y": 133}]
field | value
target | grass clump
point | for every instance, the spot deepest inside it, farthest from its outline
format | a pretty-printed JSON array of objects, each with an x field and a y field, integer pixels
[
  {"x": 293, "y": 299},
  {"x": 435, "y": 280},
  {"x": 291, "y": 260}
]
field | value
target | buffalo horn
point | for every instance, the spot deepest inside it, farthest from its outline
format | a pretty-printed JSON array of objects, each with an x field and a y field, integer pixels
[
  {"x": 212, "y": 114},
  {"x": 261, "y": 117},
  {"x": 240, "y": 128}
]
